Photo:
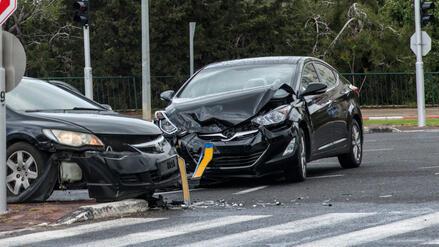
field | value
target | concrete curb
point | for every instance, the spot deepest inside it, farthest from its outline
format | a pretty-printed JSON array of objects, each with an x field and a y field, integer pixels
[
  {"x": 381, "y": 129},
  {"x": 399, "y": 117},
  {"x": 104, "y": 210}
]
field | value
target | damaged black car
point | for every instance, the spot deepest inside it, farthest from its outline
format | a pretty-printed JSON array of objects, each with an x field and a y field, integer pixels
[
  {"x": 265, "y": 116},
  {"x": 58, "y": 138}
]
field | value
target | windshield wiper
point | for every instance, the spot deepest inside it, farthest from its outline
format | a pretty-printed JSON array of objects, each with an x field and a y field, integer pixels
[
  {"x": 45, "y": 110},
  {"x": 86, "y": 109}
]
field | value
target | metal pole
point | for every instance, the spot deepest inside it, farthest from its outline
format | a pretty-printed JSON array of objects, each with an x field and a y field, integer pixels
[
  {"x": 88, "y": 78},
  {"x": 419, "y": 66},
  {"x": 191, "y": 45},
  {"x": 3, "y": 195},
  {"x": 146, "y": 73}
]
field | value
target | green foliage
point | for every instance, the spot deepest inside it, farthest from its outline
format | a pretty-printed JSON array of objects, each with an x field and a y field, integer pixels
[{"x": 354, "y": 36}]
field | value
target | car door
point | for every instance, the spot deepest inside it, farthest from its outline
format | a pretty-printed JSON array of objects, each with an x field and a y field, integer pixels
[
  {"x": 318, "y": 107},
  {"x": 337, "y": 109}
]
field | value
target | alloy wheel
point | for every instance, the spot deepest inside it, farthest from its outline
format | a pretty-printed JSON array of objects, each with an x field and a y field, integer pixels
[
  {"x": 22, "y": 171},
  {"x": 356, "y": 142}
]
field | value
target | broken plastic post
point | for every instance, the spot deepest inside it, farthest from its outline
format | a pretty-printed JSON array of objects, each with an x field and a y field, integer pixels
[
  {"x": 205, "y": 158},
  {"x": 184, "y": 182}
]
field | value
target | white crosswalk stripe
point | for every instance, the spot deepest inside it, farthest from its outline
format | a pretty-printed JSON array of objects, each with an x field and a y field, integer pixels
[
  {"x": 28, "y": 239},
  {"x": 137, "y": 238},
  {"x": 264, "y": 233},
  {"x": 378, "y": 232},
  {"x": 317, "y": 230}
]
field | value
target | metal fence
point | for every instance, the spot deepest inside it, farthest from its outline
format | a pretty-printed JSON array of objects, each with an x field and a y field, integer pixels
[
  {"x": 394, "y": 89},
  {"x": 124, "y": 93}
]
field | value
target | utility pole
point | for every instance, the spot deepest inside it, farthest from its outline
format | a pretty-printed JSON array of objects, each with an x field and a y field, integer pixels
[
  {"x": 82, "y": 16},
  {"x": 146, "y": 72},
  {"x": 88, "y": 77},
  {"x": 191, "y": 45},
  {"x": 3, "y": 167},
  {"x": 419, "y": 66}
]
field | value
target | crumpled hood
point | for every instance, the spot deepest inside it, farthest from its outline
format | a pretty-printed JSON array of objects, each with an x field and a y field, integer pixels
[
  {"x": 103, "y": 123},
  {"x": 215, "y": 113}
]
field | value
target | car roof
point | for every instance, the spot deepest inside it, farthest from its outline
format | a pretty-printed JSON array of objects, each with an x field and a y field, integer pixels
[{"x": 258, "y": 61}]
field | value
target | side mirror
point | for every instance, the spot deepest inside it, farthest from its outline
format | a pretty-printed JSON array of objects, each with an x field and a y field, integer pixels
[
  {"x": 106, "y": 106},
  {"x": 314, "y": 89},
  {"x": 167, "y": 95}
]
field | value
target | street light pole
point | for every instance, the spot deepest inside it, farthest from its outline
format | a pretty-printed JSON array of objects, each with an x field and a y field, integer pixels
[
  {"x": 419, "y": 66},
  {"x": 146, "y": 73}
]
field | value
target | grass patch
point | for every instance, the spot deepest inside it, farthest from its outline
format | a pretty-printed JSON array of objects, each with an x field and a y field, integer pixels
[{"x": 401, "y": 122}]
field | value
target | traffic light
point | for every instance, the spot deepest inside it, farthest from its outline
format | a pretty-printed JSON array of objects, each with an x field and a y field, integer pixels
[
  {"x": 81, "y": 12},
  {"x": 426, "y": 16}
]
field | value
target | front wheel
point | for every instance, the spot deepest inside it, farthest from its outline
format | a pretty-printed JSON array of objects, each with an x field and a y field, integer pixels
[
  {"x": 355, "y": 155},
  {"x": 30, "y": 177},
  {"x": 296, "y": 172}
]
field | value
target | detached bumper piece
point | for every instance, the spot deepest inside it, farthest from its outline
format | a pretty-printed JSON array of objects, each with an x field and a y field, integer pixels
[{"x": 114, "y": 176}]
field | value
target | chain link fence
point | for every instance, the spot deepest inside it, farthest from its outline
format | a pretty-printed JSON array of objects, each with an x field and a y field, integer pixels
[{"x": 124, "y": 93}]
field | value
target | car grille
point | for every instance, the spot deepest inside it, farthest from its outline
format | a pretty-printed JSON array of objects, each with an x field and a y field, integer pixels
[
  {"x": 232, "y": 160},
  {"x": 120, "y": 143},
  {"x": 140, "y": 178}
]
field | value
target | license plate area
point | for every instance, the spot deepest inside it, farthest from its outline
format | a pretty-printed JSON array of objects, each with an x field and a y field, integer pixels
[{"x": 168, "y": 166}]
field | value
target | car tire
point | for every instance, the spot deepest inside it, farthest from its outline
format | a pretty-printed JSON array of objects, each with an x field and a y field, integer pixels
[
  {"x": 354, "y": 157},
  {"x": 30, "y": 176},
  {"x": 296, "y": 172}
]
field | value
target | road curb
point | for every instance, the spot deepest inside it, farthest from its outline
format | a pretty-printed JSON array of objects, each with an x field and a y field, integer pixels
[
  {"x": 399, "y": 117},
  {"x": 104, "y": 210},
  {"x": 381, "y": 129}
]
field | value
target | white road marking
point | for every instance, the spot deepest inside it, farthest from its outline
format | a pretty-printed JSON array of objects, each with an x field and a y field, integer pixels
[
  {"x": 33, "y": 238},
  {"x": 378, "y": 232},
  {"x": 270, "y": 232},
  {"x": 433, "y": 242},
  {"x": 176, "y": 191},
  {"x": 429, "y": 167},
  {"x": 140, "y": 237},
  {"x": 250, "y": 190},
  {"x": 379, "y": 150},
  {"x": 327, "y": 176}
]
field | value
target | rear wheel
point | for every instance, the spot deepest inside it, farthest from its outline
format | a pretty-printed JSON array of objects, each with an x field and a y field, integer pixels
[
  {"x": 296, "y": 172},
  {"x": 355, "y": 155},
  {"x": 30, "y": 177}
]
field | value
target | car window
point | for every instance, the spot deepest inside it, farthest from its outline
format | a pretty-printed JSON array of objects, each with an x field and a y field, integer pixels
[
  {"x": 36, "y": 95},
  {"x": 309, "y": 76},
  {"x": 226, "y": 79},
  {"x": 327, "y": 75}
]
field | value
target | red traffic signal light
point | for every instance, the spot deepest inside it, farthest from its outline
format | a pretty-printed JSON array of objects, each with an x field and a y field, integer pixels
[{"x": 81, "y": 12}]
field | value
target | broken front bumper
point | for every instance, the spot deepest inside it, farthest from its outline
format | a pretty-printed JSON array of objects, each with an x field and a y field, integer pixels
[
  {"x": 255, "y": 155},
  {"x": 115, "y": 176}
]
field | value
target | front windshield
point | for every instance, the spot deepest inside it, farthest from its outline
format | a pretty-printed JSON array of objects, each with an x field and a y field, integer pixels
[
  {"x": 225, "y": 79},
  {"x": 35, "y": 95}
]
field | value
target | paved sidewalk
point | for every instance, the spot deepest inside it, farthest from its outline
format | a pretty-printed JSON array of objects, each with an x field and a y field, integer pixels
[{"x": 26, "y": 215}]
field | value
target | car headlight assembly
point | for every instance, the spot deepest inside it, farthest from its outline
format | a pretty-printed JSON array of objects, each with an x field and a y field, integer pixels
[
  {"x": 276, "y": 116},
  {"x": 72, "y": 138},
  {"x": 165, "y": 124}
]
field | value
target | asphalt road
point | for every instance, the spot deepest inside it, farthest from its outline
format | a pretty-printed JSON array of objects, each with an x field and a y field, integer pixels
[{"x": 391, "y": 200}]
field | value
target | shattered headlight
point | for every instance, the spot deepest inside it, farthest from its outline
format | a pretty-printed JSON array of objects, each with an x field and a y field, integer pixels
[
  {"x": 71, "y": 138},
  {"x": 275, "y": 116},
  {"x": 164, "y": 123}
]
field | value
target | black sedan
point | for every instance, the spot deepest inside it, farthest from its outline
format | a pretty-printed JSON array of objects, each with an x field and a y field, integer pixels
[
  {"x": 265, "y": 116},
  {"x": 57, "y": 137}
]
